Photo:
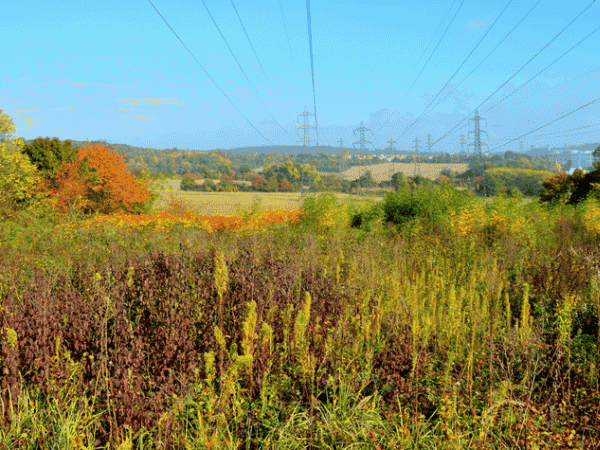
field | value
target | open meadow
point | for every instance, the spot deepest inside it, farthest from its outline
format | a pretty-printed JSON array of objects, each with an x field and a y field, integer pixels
[
  {"x": 210, "y": 203},
  {"x": 427, "y": 319}
]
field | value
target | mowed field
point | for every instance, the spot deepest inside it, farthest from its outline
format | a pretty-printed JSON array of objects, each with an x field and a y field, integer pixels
[
  {"x": 383, "y": 172},
  {"x": 217, "y": 203}
]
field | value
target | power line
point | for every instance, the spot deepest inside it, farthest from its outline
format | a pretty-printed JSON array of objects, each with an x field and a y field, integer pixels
[
  {"x": 240, "y": 66},
  {"x": 286, "y": 31},
  {"x": 460, "y": 67},
  {"x": 437, "y": 29},
  {"x": 513, "y": 92},
  {"x": 426, "y": 62},
  {"x": 312, "y": 68},
  {"x": 488, "y": 55},
  {"x": 522, "y": 67},
  {"x": 250, "y": 123},
  {"x": 543, "y": 126},
  {"x": 249, "y": 41},
  {"x": 252, "y": 46},
  {"x": 561, "y": 132}
]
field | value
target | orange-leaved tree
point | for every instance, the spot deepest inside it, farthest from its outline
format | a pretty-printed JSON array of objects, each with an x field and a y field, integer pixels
[
  {"x": 113, "y": 187},
  {"x": 68, "y": 188},
  {"x": 97, "y": 182}
]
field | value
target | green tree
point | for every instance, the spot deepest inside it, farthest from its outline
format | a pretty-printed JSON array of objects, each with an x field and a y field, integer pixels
[
  {"x": 557, "y": 189},
  {"x": 48, "y": 155},
  {"x": 399, "y": 181},
  {"x": 188, "y": 184},
  {"x": 367, "y": 180},
  {"x": 245, "y": 170},
  {"x": 18, "y": 175}
]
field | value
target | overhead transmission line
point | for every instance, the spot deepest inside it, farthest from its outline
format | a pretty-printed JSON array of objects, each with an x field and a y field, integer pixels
[
  {"x": 249, "y": 41},
  {"x": 543, "y": 126},
  {"x": 241, "y": 68},
  {"x": 426, "y": 62},
  {"x": 237, "y": 109},
  {"x": 544, "y": 69},
  {"x": 286, "y": 31},
  {"x": 312, "y": 68},
  {"x": 437, "y": 29},
  {"x": 572, "y": 79},
  {"x": 522, "y": 67},
  {"x": 484, "y": 59},
  {"x": 460, "y": 67},
  {"x": 565, "y": 132},
  {"x": 252, "y": 46}
]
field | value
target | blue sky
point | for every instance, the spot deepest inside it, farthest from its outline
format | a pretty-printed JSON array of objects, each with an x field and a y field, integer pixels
[{"x": 113, "y": 70}]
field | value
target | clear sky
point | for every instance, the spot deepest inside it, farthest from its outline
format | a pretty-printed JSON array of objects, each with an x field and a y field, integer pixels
[{"x": 113, "y": 70}]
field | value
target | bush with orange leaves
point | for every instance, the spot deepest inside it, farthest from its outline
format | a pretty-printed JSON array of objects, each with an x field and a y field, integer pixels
[{"x": 98, "y": 182}]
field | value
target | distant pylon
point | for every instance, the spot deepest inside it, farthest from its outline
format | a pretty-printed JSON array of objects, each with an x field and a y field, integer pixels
[
  {"x": 341, "y": 155},
  {"x": 306, "y": 127},
  {"x": 477, "y": 141},
  {"x": 417, "y": 164},
  {"x": 521, "y": 146},
  {"x": 429, "y": 144},
  {"x": 462, "y": 143},
  {"x": 391, "y": 149},
  {"x": 362, "y": 141}
]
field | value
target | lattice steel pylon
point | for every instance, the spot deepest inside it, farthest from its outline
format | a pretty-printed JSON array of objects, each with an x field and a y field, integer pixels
[
  {"x": 462, "y": 143},
  {"x": 362, "y": 141},
  {"x": 306, "y": 127},
  {"x": 477, "y": 143},
  {"x": 341, "y": 156},
  {"x": 429, "y": 144},
  {"x": 391, "y": 149},
  {"x": 417, "y": 163}
]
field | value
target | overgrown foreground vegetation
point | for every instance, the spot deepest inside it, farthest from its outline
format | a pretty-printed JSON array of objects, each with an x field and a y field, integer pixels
[{"x": 427, "y": 320}]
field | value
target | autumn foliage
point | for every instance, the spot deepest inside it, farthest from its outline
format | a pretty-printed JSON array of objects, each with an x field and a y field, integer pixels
[{"x": 97, "y": 182}]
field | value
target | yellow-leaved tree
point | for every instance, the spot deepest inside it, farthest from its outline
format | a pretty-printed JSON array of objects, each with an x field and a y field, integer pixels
[{"x": 17, "y": 173}]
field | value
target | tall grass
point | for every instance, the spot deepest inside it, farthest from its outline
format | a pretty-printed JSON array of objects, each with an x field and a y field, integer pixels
[{"x": 428, "y": 320}]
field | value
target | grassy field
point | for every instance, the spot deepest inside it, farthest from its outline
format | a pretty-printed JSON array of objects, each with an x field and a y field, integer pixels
[
  {"x": 382, "y": 172},
  {"x": 231, "y": 202}
]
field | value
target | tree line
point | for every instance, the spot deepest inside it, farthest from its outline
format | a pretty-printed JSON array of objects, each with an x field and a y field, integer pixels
[{"x": 74, "y": 177}]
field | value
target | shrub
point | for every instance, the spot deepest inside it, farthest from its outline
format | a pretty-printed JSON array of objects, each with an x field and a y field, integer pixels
[{"x": 430, "y": 202}]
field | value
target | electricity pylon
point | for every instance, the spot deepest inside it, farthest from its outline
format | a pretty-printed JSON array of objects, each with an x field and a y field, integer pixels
[
  {"x": 306, "y": 127},
  {"x": 477, "y": 142},
  {"x": 417, "y": 163},
  {"x": 429, "y": 144},
  {"x": 341, "y": 165},
  {"x": 362, "y": 141},
  {"x": 391, "y": 148}
]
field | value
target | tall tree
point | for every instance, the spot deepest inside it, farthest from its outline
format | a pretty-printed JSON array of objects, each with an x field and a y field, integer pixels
[
  {"x": 114, "y": 187},
  {"x": 17, "y": 174}
]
